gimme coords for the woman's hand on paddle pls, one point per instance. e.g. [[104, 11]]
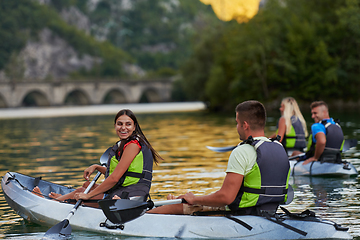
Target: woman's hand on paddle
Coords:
[[89, 171], [81, 196]]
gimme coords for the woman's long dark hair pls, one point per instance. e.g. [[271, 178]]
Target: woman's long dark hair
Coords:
[[137, 133]]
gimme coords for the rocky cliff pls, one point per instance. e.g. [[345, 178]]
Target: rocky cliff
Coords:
[[155, 35]]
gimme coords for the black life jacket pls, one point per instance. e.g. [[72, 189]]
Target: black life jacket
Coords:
[[334, 143], [273, 167]]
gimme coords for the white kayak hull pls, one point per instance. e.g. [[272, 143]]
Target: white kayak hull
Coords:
[[345, 169], [49, 212]]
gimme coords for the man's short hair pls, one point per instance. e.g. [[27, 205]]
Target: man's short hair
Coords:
[[253, 112], [318, 103]]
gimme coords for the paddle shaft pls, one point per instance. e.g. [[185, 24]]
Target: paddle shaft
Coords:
[[169, 202], [296, 156], [72, 212], [63, 228]]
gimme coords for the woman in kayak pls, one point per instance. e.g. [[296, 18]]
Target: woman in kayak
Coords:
[[291, 126], [129, 168]]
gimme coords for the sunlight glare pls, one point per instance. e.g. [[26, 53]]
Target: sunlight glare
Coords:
[[240, 10]]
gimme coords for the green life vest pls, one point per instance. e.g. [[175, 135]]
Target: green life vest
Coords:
[[134, 172], [268, 180], [295, 139], [139, 171]]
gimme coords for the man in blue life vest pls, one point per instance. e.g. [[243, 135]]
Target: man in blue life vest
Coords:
[[257, 174], [326, 139]]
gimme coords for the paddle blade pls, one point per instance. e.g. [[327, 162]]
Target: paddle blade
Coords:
[[221, 149], [62, 230], [120, 211], [105, 156]]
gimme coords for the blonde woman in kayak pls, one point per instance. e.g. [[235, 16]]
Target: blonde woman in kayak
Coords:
[[291, 126], [129, 167]]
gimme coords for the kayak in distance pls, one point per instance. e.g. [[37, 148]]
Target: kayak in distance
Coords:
[[323, 169], [129, 217], [319, 169]]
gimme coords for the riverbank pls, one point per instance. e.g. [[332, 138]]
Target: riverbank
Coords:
[[40, 112]]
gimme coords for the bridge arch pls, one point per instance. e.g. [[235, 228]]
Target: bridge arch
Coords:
[[35, 98], [76, 97], [3, 103], [84, 93], [150, 95], [114, 96]]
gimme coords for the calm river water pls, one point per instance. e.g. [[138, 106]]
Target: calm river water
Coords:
[[59, 149]]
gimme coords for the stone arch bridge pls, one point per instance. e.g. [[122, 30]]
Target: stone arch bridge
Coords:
[[83, 93]]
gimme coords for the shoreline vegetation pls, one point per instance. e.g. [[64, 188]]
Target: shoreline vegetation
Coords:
[[338, 105]]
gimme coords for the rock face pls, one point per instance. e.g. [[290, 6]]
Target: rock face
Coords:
[[52, 57], [76, 18]]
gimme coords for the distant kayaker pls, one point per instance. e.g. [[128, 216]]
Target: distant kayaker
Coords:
[[129, 167], [326, 138], [256, 176], [291, 126]]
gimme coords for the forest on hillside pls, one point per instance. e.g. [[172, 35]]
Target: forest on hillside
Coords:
[[305, 49], [156, 36]]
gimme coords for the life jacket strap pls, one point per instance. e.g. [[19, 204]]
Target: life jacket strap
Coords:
[[134, 174], [265, 190]]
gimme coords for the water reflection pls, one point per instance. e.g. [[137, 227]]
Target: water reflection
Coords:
[[335, 199], [59, 149]]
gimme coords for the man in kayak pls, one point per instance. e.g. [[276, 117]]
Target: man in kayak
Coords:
[[257, 173], [326, 138]]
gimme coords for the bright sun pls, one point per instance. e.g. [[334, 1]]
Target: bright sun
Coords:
[[240, 10]]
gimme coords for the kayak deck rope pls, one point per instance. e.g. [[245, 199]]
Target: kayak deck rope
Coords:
[[308, 215], [229, 215], [280, 220], [244, 224]]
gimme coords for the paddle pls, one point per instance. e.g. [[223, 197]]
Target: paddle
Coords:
[[349, 143], [221, 149], [296, 156], [63, 228], [120, 211]]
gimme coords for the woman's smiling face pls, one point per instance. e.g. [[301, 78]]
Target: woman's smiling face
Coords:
[[124, 126]]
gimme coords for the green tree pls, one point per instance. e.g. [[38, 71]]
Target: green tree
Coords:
[[303, 49]]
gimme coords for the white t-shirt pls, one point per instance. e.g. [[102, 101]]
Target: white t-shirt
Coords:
[[243, 158]]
